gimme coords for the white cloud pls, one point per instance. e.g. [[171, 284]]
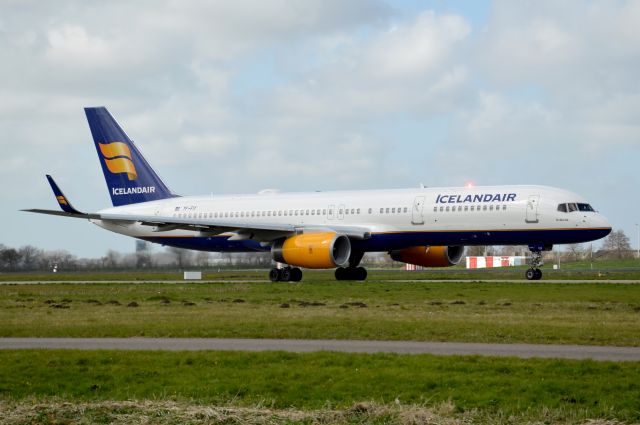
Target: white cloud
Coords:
[[345, 94], [415, 49]]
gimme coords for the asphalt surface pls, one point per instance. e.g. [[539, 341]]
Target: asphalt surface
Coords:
[[129, 282], [345, 346]]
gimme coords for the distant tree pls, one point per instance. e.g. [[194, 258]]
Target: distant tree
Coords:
[[617, 243], [182, 257], [575, 252], [111, 259], [30, 257], [10, 258], [202, 259], [475, 251], [63, 259]]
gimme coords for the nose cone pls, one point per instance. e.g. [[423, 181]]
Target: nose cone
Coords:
[[600, 225]]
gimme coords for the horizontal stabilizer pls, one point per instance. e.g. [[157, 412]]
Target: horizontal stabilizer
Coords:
[[64, 213]]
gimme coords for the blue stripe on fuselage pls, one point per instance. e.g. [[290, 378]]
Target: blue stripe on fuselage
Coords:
[[393, 241]]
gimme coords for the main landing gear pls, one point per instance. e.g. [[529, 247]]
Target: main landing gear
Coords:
[[286, 274], [351, 273], [534, 273]]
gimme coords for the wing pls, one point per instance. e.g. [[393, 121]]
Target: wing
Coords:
[[262, 232]]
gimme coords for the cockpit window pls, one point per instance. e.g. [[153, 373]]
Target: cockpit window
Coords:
[[575, 207]]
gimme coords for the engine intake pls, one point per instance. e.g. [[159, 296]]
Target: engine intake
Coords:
[[313, 250], [429, 256]]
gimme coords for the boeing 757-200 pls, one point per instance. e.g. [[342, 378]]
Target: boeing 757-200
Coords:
[[324, 230]]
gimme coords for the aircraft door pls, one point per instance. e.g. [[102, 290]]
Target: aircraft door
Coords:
[[532, 209], [416, 211]]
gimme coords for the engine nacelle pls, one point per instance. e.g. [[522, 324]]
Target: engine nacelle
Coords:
[[313, 250], [429, 256]]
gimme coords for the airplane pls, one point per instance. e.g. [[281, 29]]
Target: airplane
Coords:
[[324, 230]]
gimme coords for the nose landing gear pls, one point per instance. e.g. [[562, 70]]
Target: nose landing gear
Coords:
[[534, 273]]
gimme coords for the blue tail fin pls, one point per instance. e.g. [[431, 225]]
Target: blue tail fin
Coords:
[[62, 200], [129, 176]]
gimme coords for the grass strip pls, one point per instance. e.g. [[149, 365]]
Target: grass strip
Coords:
[[587, 314], [488, 387]]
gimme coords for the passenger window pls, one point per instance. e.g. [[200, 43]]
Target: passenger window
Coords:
[[441, 209], [324, 212], [307, 213], [358, 211], [405, 209], [386, 210], [435, 209], [504, 208], [490, 207], [472, 208], [393, 210], [466, 207], [381, 210], [370, 210], [447, 208], [484, 208], [460, 208], [313, 212]]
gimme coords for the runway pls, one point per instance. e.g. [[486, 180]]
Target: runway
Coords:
[[345, 346], [265, 281]]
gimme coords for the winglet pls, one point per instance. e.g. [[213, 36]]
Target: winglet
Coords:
[[62, 200]]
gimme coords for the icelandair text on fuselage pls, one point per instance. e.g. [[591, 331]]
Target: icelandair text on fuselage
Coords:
[[489, 197], [132, 190]]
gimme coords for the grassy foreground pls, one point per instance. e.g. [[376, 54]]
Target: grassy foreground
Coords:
[[588, 314], [491, 390]]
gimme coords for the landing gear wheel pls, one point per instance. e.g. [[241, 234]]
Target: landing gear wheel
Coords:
[[530, 274], [285, 274], [296, 275], [361, 273], [538, 274], [274, 275], [351, 273]]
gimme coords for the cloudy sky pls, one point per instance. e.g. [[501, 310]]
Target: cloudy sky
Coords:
[[238, 96]]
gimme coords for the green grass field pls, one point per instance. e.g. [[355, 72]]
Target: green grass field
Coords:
[[67, 386], [591, 314], [488, 389]]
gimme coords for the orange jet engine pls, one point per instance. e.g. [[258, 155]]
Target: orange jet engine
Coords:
[[429, 256], [313, 250]]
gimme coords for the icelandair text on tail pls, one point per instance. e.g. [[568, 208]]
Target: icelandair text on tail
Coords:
[[132, 190]]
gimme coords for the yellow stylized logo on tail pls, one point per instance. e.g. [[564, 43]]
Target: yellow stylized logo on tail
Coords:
[[117, 156], [62, 200]]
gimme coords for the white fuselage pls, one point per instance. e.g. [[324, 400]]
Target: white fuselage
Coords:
[[396, 219]]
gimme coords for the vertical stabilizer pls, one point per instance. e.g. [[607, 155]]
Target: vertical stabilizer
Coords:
[[129, 176]]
